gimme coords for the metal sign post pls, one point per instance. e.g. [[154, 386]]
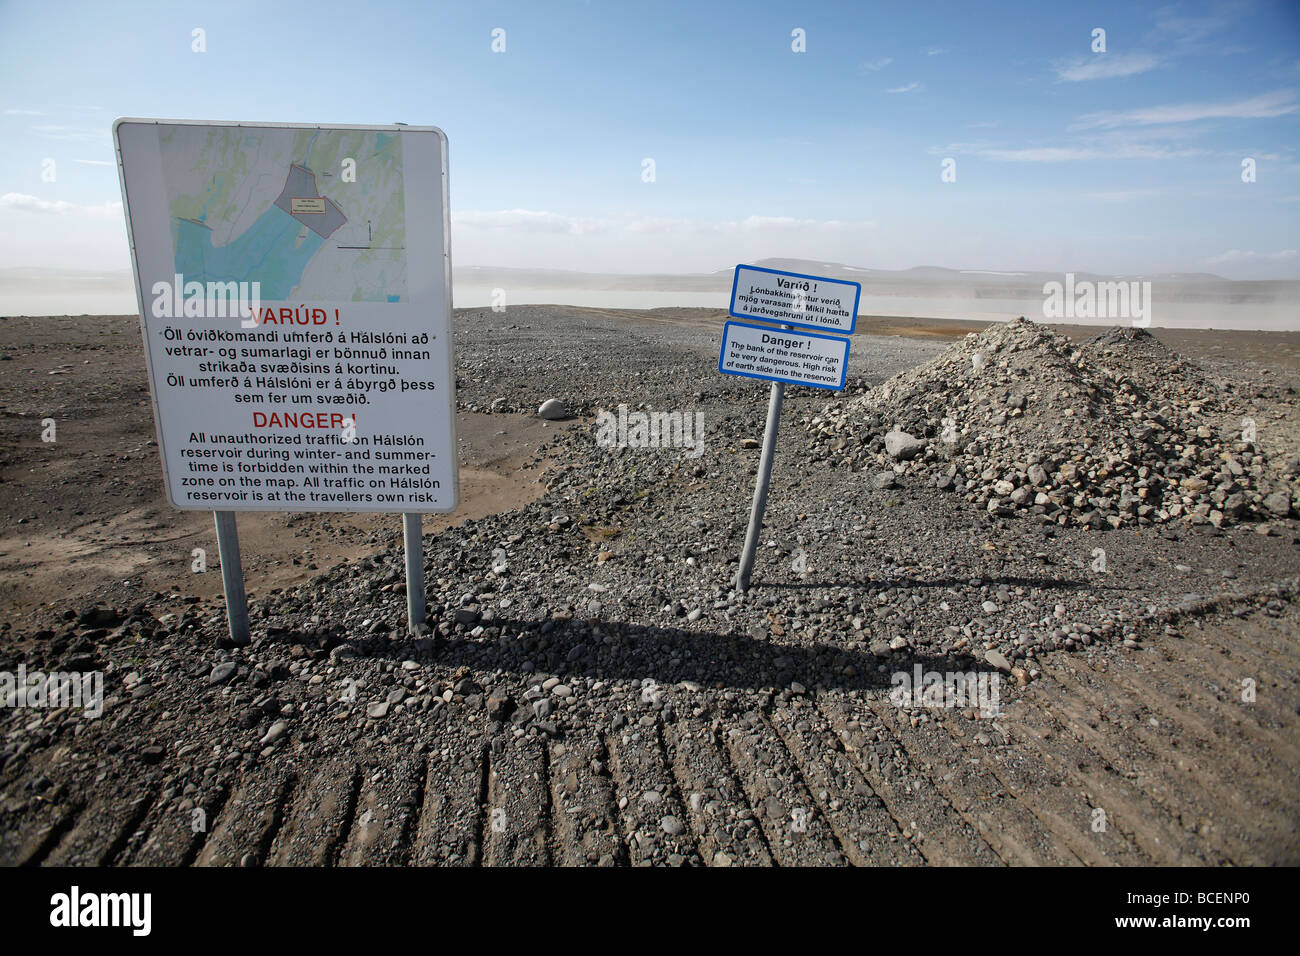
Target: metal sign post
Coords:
[[232, 578], [784, 356], [760, 489], [413, 540]]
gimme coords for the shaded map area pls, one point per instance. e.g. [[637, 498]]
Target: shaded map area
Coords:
[[268, 252], [300, 199], [309, 213]]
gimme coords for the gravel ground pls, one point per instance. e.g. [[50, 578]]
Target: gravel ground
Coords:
[[592, 690]]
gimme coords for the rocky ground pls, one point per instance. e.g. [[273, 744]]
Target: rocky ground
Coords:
[[592, 690]]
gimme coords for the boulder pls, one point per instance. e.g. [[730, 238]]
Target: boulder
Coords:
[[903, 446], [553, 409]]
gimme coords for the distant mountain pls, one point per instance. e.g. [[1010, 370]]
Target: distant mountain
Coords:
[[881, 278], [941, 273]]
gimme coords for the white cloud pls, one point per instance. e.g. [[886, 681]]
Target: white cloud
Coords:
[[1042, 154], [1188, 32], [1064, 154], [904, 89], [93, 162], [23, 113], [1125, 195], [1105, 66], [775, 222], [59, 207], [935, 51], [525, 220], [1249, 255], [79, 134], [1264, 106], [528, 220], [878, 64]]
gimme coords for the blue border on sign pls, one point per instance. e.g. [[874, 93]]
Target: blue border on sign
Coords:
[[844, 370], [735, 282]]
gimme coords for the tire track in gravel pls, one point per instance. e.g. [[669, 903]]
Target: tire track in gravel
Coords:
[[1061, 735], [1191, 712], [725, 825], [866, 832], [35, 839], [518, 819], [169, 836], [933, 826], [585, 812], [1202, 653], [1014, 833], [1169, 773], [450, 828], [103, 830], [1262, 723], [320, 816], [650, 805], [248, 824], [1128, 733], [386, 812], [796, 832], [1057, 805]]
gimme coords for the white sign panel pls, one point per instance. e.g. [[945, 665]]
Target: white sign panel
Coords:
[[295, 295], [776, 355], [791, 298]]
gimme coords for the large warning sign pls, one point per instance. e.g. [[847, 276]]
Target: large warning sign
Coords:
[[295, 295]]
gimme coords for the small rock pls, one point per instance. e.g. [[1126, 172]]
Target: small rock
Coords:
[[1278, 503], [222, 672], [998, 660], [499, 704], [275, 733]]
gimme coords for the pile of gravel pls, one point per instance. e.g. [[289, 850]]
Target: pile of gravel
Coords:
[[1018, 419]]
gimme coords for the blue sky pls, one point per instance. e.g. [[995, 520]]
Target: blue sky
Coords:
[[1126, 161]]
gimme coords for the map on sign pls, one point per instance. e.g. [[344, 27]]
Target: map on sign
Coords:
[[312, 214]]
